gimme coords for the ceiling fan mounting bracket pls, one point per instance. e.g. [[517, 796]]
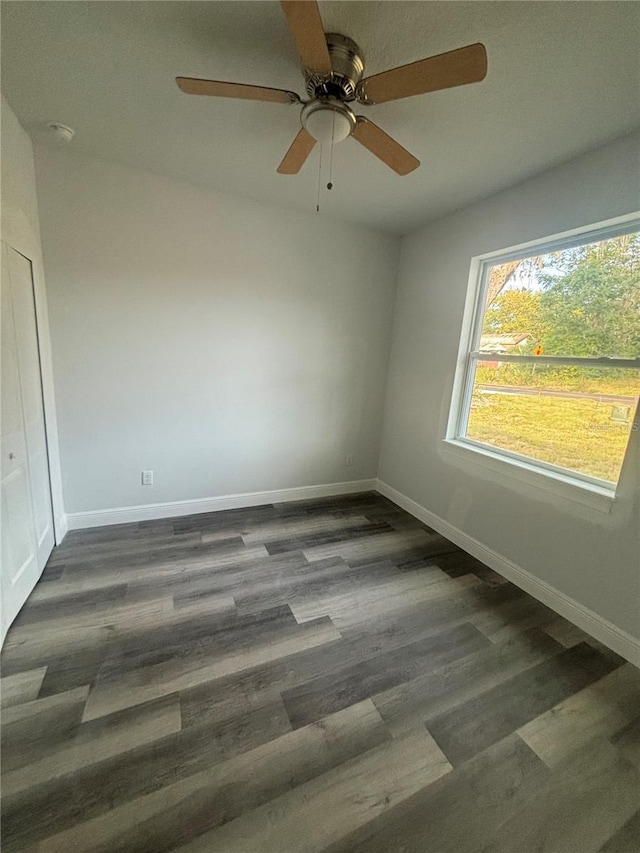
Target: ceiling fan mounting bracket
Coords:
[[347, 64], [361, 94]]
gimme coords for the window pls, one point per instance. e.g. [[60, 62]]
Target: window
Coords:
[[549, 369]]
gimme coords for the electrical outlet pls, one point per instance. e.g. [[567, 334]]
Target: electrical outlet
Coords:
[[348, 460], [147, 478]]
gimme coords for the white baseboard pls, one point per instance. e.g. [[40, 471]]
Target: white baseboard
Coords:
[[148, 512], [601, 629]]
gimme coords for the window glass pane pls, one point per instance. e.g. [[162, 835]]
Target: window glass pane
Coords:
[[583, 301], [575, 418]]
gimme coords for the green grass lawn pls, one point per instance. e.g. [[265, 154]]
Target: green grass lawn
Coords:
[[572, 433]]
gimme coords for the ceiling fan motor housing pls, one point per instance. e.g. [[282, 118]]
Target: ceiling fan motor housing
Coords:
[[347, 65]]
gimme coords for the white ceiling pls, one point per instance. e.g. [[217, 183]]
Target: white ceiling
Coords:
[[563, 77]]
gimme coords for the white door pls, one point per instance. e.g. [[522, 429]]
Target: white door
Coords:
[[27, 518]]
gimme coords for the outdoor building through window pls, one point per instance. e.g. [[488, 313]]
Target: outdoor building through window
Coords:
[[550, 374]]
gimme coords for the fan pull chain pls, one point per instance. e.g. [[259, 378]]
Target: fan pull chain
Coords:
[[319, 180], [333, 130]]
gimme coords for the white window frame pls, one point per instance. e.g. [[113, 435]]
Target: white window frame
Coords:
[[513, 464]]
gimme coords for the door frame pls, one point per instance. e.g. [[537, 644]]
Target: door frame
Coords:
[[24, 236]]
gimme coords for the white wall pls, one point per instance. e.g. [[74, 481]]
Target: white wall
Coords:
[[591, 556], [21, 230], [227, 345]]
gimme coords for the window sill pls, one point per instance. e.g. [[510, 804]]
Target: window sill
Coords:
[[564, 486]]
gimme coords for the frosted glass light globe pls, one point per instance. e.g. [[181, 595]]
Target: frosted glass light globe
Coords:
[[327, 125]]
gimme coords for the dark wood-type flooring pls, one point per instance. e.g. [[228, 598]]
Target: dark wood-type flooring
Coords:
[[321, 676]]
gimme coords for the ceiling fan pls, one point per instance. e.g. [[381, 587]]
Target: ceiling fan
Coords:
[[333, 67]]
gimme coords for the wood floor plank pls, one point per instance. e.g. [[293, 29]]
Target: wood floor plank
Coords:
[[107, 614], [226, 577], [446, 687], [74, 554], [627, 740], [312, 540], [43, 705], [314, 815], [157, 680], [225, 519], [21, 687], [77, 669], [169, 569], [565, 633], [384, 594], [217, 795], [22, 649], [598, 711], [61, 647], [292, 528], [460, 812], [339, 505], [94, 743], [372, 546], [625, 840], [183, 550], [245, 689], [96, 788], [44, 610], [513, 617], [499, 711], [314, 699], [205, 633], [583, 805], [46, 727], [393, 608], [308, 582]]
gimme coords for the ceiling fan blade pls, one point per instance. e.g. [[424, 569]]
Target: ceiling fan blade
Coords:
[[298, 152], [383, 146], [194, 86], [455, 68], [305, 23]]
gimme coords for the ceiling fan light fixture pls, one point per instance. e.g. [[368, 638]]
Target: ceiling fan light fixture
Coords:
[[328, 122], [333, 67]]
